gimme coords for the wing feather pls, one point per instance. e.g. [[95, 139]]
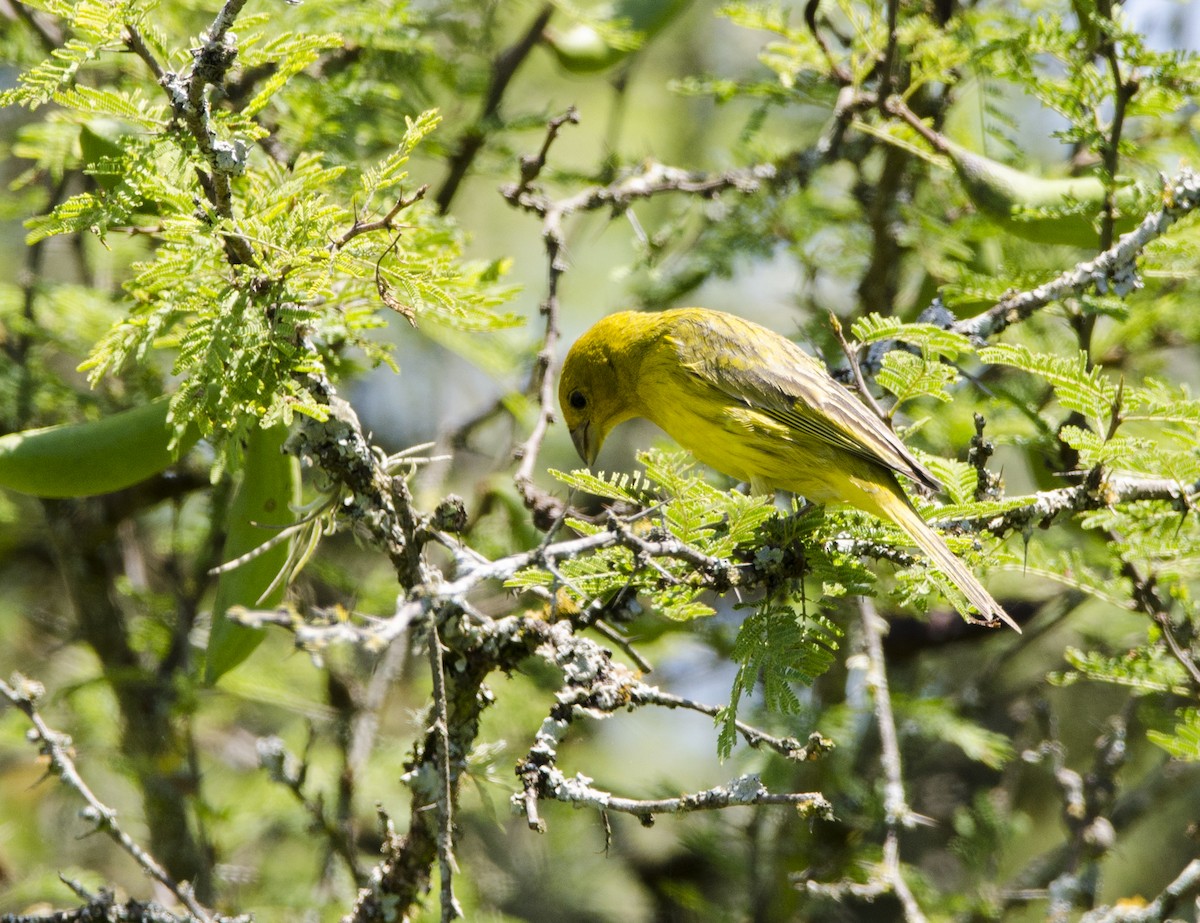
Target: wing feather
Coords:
[[773, 375]]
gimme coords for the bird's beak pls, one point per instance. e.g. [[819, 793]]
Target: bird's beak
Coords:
[[582, 437]]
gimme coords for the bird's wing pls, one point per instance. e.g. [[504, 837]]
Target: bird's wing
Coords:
[[773, 375]]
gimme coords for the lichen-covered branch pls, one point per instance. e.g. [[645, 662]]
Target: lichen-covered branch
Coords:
[[595, 686], [742, 791], [188, 95], [1114, 270], [1185, 885], [23, 694]]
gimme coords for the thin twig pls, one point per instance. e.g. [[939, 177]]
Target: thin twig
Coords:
[[541, 382], [532, 166], [1185, 885], [895, 805], [136, 43], [56, 748], [384, 223], [441, 731], [1177, 651], [744, 790], [897, 812], [504, 68], [851, 354], [609, 633], [789, 747], [895, 878]]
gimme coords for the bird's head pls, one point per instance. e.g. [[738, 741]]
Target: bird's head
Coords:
[[597, 389]]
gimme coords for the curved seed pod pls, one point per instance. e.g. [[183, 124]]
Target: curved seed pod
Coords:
[[98, 457], [261, 506], [1052, 211], [582, 49]]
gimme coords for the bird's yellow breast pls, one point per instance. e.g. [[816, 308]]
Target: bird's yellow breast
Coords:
[[738, 440]]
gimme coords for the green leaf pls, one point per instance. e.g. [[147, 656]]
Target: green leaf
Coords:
[[1184, 742], [1078, 388], [778, 645]]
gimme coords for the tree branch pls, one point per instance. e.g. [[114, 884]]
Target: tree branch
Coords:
[[23, 694], [1113, 270], [504, 69]]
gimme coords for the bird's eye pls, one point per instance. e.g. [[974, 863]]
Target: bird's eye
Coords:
[[577, 400]]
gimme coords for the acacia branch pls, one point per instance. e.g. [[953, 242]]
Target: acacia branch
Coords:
[[56, 747], [1114, 270], [787, 747], [1185, 885], [189, 101], [1042, 507], [596, 686], [504, 68], [382, 224], [445, 796], [742, 791]]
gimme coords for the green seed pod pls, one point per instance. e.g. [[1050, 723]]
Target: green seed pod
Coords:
[[262, 505], [1051, 211], [583, 49], [85, 459]]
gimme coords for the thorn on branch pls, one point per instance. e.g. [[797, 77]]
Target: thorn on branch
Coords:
[[384, 223], [532, 165]]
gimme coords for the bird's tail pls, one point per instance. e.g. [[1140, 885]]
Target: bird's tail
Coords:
[[896, 507]]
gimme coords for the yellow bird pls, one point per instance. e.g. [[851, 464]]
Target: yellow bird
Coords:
[[752, 404]]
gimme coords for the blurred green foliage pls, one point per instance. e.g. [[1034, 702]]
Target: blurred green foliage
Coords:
[[329, 265]]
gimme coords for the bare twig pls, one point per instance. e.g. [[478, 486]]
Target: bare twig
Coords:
[[384, 223], [789, 747], [532, 165], [546, 510], [136, 43], [744, 790], [503, 69], [56, 747], [1147, 598], [1177, 651], [610, 634], [1185, 885], [445, 799], [895, 805], [851, 354], [897, 813]]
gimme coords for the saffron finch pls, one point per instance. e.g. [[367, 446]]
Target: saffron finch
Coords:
[[750, 403]]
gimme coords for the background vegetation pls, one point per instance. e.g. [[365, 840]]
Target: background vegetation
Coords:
[[301, 619]]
